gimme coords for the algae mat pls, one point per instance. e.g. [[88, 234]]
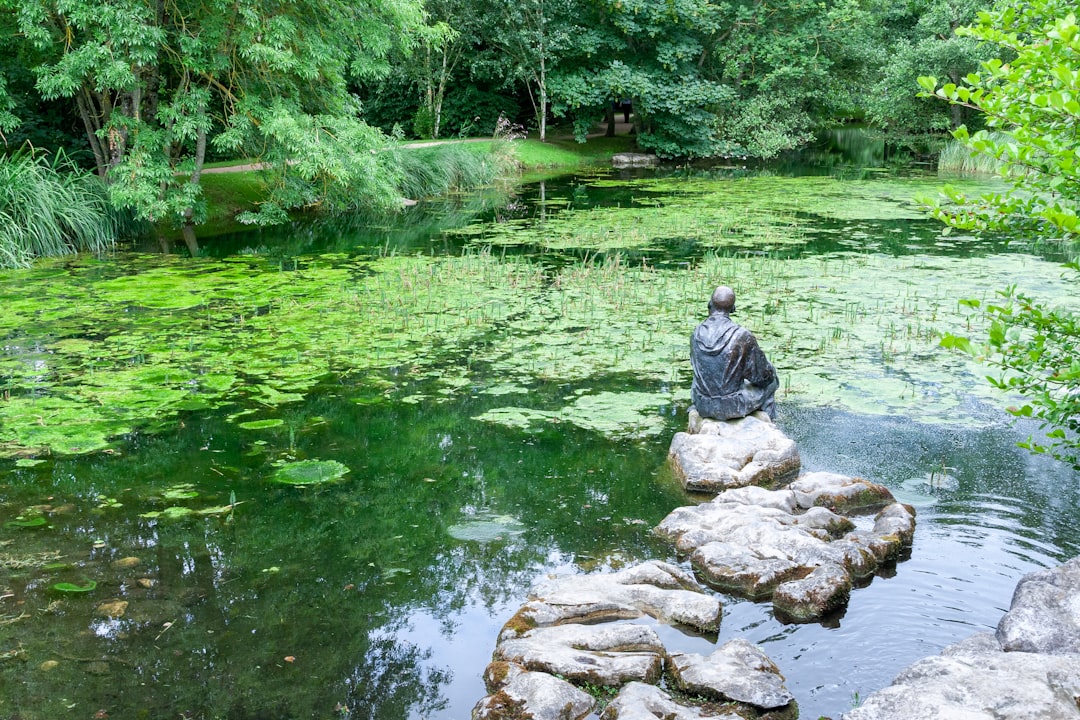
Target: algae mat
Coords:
[[94, 350]]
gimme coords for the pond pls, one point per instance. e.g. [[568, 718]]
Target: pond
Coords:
[[312, 475]]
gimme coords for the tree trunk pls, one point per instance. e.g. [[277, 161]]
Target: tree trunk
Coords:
[[92, 125], [610, 117], [188, 229]]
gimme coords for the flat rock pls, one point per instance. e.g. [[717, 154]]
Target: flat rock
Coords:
[[638, 701], [738, 671], [973, 684], [717, 455], [754, 541], [609, 654], [826, 589], [839, 493], [654, 588], [628, 160], [1044, 616], [522, 695]]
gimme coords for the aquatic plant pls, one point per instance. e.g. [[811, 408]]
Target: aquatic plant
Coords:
[[51, 207], [451, 166], [72, 588], [956, 158], [309, 472]]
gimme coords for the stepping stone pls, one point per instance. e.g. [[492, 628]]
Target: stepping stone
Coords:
[[717, 455]]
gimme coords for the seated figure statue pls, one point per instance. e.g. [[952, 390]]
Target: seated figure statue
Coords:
[[732, 376]]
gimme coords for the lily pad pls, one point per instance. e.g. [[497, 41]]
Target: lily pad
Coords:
[[310, 472], [66, 587], [262, 424], [185, 491], [33, 522], [169, 513], [488, 528], [28, 462]]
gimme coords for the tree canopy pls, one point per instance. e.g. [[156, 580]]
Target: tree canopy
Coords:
[[158, 83]]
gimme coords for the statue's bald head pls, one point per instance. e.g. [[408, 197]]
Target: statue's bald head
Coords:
[[723, 300]]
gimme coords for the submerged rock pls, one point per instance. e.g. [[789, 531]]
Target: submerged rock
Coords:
[[787, 544], [716, 455], [1028, 670]]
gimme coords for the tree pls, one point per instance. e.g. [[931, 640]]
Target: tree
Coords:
[[920, 38], [157, 84], [1034, 96], [709, 79]]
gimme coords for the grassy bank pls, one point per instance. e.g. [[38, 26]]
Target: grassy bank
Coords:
[[428, 169]]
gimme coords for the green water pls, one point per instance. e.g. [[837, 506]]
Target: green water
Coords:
[[500, 377]]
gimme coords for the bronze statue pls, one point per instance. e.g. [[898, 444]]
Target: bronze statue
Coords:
[[732, 376]]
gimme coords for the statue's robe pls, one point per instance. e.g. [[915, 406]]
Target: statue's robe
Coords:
[[732, 376]]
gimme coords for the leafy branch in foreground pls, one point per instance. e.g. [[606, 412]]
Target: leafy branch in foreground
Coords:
[[1034, 97], [1034, 350]]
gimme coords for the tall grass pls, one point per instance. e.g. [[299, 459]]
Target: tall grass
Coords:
[[439, 169], [957, 159], [51, 207]]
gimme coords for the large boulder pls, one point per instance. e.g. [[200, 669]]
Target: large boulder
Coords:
[[1028, 670], [972, 682], [788, 545], [654, 588], [738, 671], [638, 701], [634, 160], [518, 694], [1045, 613], [716, 455]]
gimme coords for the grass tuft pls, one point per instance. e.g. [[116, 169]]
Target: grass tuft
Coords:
[[50, 208], [958, 159]]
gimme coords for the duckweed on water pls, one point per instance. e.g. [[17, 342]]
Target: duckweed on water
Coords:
[[95, 350], [747, 212]]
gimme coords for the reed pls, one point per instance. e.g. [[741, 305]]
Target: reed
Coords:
[[447, 167], [51, 207], [958, 159]]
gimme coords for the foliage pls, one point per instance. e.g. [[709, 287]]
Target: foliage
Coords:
[[1034, 98], [157, 84], [434, 170], [913, 39], [49, 207], [1035, 349], [709, 79]]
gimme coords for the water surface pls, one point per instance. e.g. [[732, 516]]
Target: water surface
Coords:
[[503, 413]]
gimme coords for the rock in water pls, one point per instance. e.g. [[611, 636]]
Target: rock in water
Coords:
[[1045, 613], [1028, 670], [788, 545], [716, 455], [738, 671], [536, 695], [638, 701]]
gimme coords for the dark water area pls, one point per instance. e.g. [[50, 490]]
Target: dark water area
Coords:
[[380, 596]]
